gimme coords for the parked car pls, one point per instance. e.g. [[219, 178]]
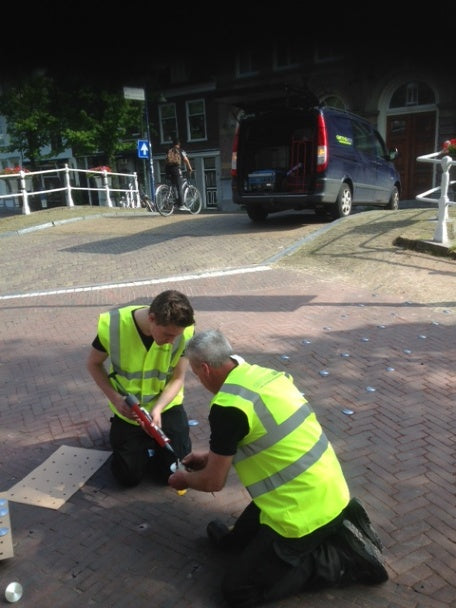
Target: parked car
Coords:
[[322, 158]]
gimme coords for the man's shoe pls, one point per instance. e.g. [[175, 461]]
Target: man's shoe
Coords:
[[180, 207], [356, 513], [363, 561]]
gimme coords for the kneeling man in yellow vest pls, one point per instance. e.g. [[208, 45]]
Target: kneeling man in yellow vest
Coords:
[[301, 530], [146, 347]]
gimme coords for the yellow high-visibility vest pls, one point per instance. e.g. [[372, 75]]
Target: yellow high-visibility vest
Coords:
[[139, 371], [285, 462]]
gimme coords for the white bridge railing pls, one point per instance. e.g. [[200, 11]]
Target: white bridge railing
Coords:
[[445, 225], [19, 184]]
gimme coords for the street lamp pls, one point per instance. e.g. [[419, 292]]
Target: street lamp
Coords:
[[140, 95]]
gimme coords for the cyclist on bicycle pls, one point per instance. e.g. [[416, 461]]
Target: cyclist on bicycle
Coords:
[[174, 159]]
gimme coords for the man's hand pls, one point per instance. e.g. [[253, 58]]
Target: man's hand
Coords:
[[195, 461], [177, 480], [156, 416], [123, 408]]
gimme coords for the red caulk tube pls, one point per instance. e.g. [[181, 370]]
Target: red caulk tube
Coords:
[[154, 431], [149, 425]]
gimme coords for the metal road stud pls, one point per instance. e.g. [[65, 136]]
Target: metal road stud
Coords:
[[13, 592]]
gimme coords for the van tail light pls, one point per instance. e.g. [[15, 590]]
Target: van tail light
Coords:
[[322, 145], [234, 153]]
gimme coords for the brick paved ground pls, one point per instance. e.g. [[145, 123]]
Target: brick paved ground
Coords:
[[146, 546]]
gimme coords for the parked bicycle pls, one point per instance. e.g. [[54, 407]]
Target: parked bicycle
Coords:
[[146, 202], [166, 198], [130, 201]]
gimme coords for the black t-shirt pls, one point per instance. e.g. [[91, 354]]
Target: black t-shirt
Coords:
[[228, 426]]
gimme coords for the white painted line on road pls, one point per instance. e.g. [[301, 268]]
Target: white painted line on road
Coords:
[[186, 277]]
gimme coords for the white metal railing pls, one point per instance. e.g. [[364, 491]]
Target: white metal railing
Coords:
[[443, 220], [19, 182]]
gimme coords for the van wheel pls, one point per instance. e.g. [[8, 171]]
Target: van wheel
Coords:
[[394, 200], [343, 205], [257, 214]]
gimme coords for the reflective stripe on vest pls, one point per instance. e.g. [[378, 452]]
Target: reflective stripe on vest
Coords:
[[274, 434]]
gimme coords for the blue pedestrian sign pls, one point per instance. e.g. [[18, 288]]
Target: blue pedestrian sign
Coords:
[[143, 148]]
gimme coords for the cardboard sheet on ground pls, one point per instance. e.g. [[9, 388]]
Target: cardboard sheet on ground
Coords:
[[58, 478], [6, 534]]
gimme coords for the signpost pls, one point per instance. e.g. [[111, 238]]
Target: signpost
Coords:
[[144, 146]]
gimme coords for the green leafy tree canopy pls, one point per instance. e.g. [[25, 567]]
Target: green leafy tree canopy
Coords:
[[44, 119]]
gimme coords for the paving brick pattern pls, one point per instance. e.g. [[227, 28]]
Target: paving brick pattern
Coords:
[[389, 360]]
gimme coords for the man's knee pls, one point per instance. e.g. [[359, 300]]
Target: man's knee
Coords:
[[127, 476], [240, 595]]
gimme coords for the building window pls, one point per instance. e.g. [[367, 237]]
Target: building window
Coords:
[[210, 181], [412, 94], [178, 73], [196, 120], [326, 53], [334, 101], [168, 122], [286, 55], [247, 63]]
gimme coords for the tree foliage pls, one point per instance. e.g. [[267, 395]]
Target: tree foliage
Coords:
[[45, 118], [100, 121], [31, 125]]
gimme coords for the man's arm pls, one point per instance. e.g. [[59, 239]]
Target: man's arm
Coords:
[[211, 478], [96, 368], [171, 389], [187, 162]]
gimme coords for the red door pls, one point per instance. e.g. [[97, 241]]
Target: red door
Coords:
[[413, 135]]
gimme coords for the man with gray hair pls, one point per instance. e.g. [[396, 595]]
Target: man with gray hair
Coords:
[[301, 530]]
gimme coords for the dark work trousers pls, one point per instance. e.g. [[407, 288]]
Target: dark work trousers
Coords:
[[175, 175], [136, 454], [269, 567]]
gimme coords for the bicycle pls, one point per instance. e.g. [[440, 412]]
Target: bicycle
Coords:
[[166, 198], [146, 202]]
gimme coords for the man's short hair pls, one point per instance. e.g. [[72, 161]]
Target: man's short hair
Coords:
[[172, 307]]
